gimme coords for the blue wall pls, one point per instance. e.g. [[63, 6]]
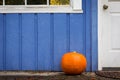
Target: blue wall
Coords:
[[37, 41]]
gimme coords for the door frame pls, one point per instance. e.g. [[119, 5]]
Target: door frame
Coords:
[[100, 31], [100, 5], [99, 34]]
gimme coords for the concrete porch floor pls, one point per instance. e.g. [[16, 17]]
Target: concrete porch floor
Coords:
[[31, 75]]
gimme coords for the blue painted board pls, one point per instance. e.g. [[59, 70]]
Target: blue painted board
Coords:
[[88, 34], [76, 33], [12, 42], [20, 41], [94, 34], [36, 40], [28, 42], [1, 41], [60, 39], [44, 42]]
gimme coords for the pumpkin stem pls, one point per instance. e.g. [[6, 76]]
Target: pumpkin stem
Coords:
[[74, 52]]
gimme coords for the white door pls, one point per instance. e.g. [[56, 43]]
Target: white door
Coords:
[[108, 34]]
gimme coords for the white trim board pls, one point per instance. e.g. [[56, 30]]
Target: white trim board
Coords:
[[74, 7], [39, 9], [100, 6]]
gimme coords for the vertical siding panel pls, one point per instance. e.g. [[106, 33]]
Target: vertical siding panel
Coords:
[[44, 52], [76, 33], [60, 44], [28, 43], [84, 26], [20, 41], [68, 31], [12, 42], [52, 40], [94, 35], [88, 34], [36, 40], [4, 41], [1, 41]]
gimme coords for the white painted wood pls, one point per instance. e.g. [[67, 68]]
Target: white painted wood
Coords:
[[38, 9], [48, 2], [25, 2], [77, 4], [3, 2], [74, 7], [115, 31], [108, 34], [113, 0], [114, 6]]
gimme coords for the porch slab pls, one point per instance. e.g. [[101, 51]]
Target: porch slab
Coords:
[[31, 75]]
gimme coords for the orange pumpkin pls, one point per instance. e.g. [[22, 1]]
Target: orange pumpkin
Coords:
[[73, 63]]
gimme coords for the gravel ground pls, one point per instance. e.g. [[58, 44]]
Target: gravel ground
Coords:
[[83, 76]]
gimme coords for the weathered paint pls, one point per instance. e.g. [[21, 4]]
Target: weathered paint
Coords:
[[37, 41]]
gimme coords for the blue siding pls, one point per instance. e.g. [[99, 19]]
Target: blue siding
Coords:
[[88, 35], [37, 41], [1, 42], [44, 42], [77, 33], [94, 34], [12, 42], [28, 41], [60, 39]]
